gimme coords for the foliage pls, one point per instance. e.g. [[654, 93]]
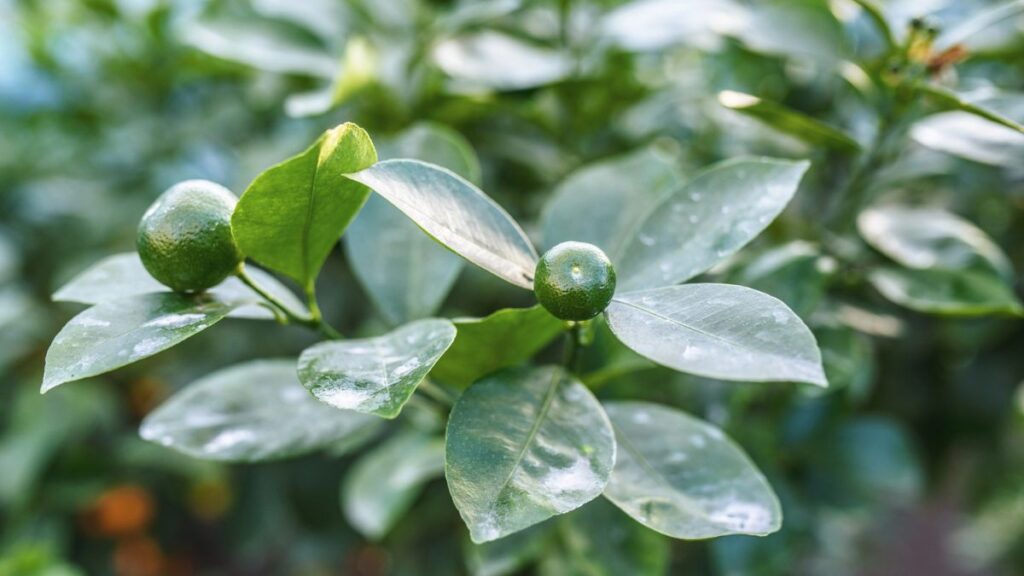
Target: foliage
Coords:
[[812, 210]]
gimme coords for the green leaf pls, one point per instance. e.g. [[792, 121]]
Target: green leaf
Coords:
[[974, 137], [116, 333], [718, 331], [849, 359], [950, 100], [261, 47], [788, 121], [405, 273], [931, 238], [684, 478], [375, 375], [291, 215], [708, 219], [384, 483], [602, 203], [650, 25], [122, 275], [978, 22], [948, 292], [510, 554], [602, 541], [249, 412], [485, 345], [522, 446], [794, 272], [457, 214], [494, 60]]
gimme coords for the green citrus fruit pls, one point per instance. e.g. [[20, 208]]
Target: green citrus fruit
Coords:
[[574, 281], [185, 239]]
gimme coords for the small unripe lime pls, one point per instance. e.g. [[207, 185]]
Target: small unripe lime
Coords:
[[574, 281], [185, 239]]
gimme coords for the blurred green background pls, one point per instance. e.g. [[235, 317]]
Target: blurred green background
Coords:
[[914, 465]]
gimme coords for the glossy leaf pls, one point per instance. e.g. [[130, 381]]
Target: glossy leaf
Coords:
[[941, 291], [249, 412], [375, 375], [719, 331], [291, 215], [114, 334], [494, 60], [122, 275], [684, 478], [647, 25], [602, 203], [485, 345], [524, 445], [931, 238], [383, 484], [803, 127], [405, 272], [708, 219], [457, 214]]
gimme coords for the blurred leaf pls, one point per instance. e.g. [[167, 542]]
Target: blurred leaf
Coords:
[[457, 214], [602, 541], [405, 272], [292, 215], [122, 275], [648, 25], [794, 272], [950, 100], [509, 473], [684, 478], [602, 203], [950, 292], [801, 29], [973, 137], [510, 554], [249, 412], [383, 484], [718, 331], [708, 219], [116, 333], [982, 19], [848, 358], [485, 345], [494, 60], [326, 18], [788, 121], [931, 238], [870, 461], [375, 375], [260, 47]]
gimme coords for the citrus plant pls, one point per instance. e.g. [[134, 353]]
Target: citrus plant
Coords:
[[523, 441]]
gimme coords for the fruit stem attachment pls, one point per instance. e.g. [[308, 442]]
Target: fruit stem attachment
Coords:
[[283, 313], [573, 343]]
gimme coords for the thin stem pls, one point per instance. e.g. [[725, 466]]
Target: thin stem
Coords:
[[572, 348], [282, 312], [316, 315], [437, 393]]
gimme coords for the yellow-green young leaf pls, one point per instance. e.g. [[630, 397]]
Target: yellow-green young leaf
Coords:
[[292, 215], [947, 292], [684, 478], [384, 483], [249, 412], [122, 275], [457, 214], [486, 345], [789, 121], [375, 375], [116, 333], [718, 331], [522, 446]]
